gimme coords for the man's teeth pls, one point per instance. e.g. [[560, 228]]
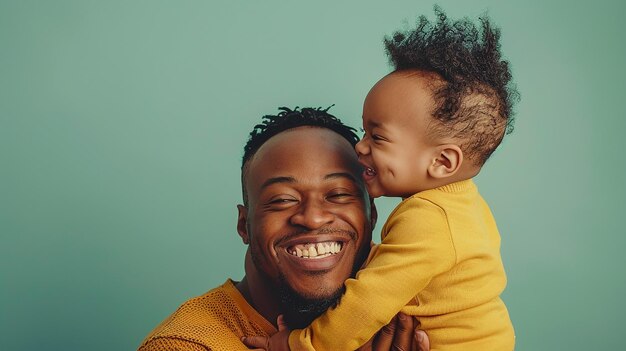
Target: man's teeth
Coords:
[[370, 171], [319, 250]]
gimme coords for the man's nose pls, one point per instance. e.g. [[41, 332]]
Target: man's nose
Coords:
[[312, 214], [361, 147]]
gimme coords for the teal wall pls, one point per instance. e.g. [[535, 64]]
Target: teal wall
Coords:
[[122, 125]]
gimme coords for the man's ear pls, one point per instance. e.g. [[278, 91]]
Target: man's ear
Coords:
[[447, 161], [373, 213], [242, 223]]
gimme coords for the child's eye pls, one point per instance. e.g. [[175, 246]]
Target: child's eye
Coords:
[[377, 137]]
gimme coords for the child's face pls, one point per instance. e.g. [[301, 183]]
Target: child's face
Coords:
[[396, 150]]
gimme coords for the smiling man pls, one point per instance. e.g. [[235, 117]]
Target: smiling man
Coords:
[[307, 220]]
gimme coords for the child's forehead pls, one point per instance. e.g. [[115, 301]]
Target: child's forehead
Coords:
[[402, 87], [400, 97], [425, 79]]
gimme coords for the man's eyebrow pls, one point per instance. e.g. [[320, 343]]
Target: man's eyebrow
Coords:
[[340, 175], [277, 180]]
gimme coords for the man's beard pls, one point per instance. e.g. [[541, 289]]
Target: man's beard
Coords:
[[299, 311]]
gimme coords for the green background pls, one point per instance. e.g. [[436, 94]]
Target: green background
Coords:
[[121, 131]]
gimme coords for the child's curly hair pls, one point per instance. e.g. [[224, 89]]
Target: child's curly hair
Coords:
[[474, 101]]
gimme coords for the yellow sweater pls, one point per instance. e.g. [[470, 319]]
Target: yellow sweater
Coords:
[[439, 260], [215, 321]]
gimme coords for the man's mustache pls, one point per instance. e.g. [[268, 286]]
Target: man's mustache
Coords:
[[329, 230]]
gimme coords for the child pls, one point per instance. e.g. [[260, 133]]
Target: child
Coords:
[[429, 127]]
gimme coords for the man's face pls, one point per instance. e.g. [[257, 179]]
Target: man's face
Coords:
[[308, 215]]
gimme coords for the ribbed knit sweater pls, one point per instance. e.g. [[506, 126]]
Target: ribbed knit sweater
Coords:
[[215, 321]]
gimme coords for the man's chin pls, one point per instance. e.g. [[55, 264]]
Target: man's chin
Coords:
[[300, 308]]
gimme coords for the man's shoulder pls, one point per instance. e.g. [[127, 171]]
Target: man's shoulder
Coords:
[[219, 316]]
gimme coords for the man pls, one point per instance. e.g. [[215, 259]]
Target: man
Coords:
[[307, 220]]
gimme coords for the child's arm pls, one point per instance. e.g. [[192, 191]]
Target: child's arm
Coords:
[[416, 248], [401, 333]]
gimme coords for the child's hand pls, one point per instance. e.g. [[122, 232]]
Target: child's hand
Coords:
[[402, 333], [277, 342]]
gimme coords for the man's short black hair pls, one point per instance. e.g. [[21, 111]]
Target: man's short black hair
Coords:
[[289, 119], [474, 100]]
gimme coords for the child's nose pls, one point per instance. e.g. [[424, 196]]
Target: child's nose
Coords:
[[361, 147]]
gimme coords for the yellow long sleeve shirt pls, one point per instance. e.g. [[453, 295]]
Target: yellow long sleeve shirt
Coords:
[[439, 260]]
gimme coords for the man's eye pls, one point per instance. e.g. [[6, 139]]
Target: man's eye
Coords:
[[282, 201], [377, 137], [341, 197], [280, 204]]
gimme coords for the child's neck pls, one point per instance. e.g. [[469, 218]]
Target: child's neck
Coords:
[[464, 173]]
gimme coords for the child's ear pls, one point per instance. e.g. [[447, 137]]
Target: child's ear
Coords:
[[447, 161]]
